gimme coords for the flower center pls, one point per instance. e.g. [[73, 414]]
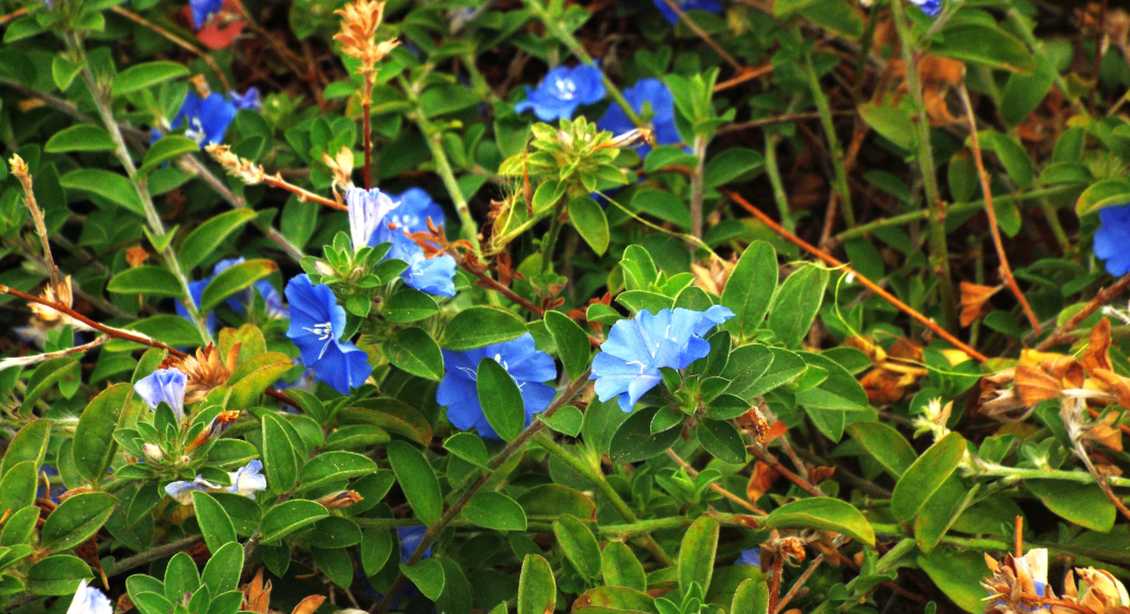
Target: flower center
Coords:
[[195, 131], [566, 88], [323, 331]]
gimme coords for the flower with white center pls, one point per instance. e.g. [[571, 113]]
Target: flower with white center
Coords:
[[89, 600]]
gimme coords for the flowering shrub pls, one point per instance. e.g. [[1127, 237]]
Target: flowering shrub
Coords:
[[670, 307]]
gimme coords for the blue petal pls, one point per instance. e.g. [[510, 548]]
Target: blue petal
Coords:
[[343, 366]]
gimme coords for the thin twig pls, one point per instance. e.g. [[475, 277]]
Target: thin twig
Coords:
[[710, 42], [1104, 296], [176, 40], [20, 170], [160, 552], [748, 73], [23, 361], [799, 583], [789, 474], [16, 14], [774, 120], [367, 129], [991, 213], [775, 581], [304, 195], [870, 285], [718, 488]]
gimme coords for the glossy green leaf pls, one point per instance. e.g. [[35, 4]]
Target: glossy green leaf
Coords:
[[215, 524], [475, 327], [80, 137], [413, 350], [823, 513], [537, 589], [926, 475], [233, 279], [289, 516], [696, 553], [500, 399], [579, 545], [146, 279], [417, 480], [494, 510], [146, 74], [76, 520], [750, 288], [572, 342], [208, 236]]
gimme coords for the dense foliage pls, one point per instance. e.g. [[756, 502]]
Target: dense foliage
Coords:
[[537, 305]]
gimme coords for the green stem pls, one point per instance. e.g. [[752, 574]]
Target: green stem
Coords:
[[1057, 229], [834, 147], [939, 250], [563, 36], [550, 240], [956, 209], [597, 477], [697, 184], [774, 172], [1042, 59], [1019, 473], [98, 94]]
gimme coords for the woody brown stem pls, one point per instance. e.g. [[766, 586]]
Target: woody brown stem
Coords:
[[991, 213], [866, 282], [367, 130], [303, 194], [718, 488], [1104, 296]]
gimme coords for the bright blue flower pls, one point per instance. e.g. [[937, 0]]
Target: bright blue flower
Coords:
[[751, 557], [563, 90], [202, 10], [410, 538], [930, 7], [529, 367], [238, 303], [163, 386], [371, 223], [416, 206], [630, 359], [249, 100], [652, 101], [1112, 239], [205, 120], [713, 6], [316, 325]]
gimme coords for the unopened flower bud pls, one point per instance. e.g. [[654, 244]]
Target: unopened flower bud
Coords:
[[153, 452], [341, 499]]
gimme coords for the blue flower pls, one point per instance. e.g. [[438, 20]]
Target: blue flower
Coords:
[[652, 101], [713, 6], [370, 223], [416, 206], [202, 10], [629, 361], [245, 481], [89, 600], [751, 557], [563, 90], [196, 290], [410, 538], [930, 7], [1112, 239], [316, 325], [271, 297], [163, 386], [249, 100], [529, 367], [205, 120]]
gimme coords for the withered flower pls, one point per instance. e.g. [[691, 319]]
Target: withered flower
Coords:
[[204, 370], [975, 301], [359, 22], [136, 256], [243, 169], [1018, 583], [341, 165], [341, 499]]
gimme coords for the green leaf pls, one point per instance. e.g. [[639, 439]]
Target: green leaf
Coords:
[[750, 288], [76, 520], [170, 146], [413, 350], [785, 8], [731, 165], [289, 516], [469, 447], [94, 435], [18, 485], [146, 74], [417, 480], [751, 596], [537, 590], [721, 440], [63, 71], [892, 123], [111, 186], [1103, 193], [221, 572], [579, 545], [958, 575], [233, 279], [494, 510], [500, 399], [885, 444], [80, 137], [638, 268], [280, 457], [696, 554], [797, 303], [407, 305], [620, 567], [181, 577], [376, 547], [427, 575], [633, 441], [57, 575], [215, 524], [823, 513], [1082, 504], [571, 340], [205, 238], [589, 220], [983, 44], [475, 327], [663, 205], [335, 466], [146, 279], [1012, 156], [567, 420], [926, 475], [29, 444]]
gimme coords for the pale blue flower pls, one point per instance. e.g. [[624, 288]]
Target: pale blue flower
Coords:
[[367, 210], [563, 90], [751, 557], [89, 600], [163, 386], [711, 6], [930, 7], [317, 323], [202, 10], [629, 363], [249, 100], [245, 481], [238, 303], [653, 102], [1112, 239], [416, 207], [529, 367]]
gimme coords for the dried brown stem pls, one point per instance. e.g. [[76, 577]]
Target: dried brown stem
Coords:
[[766, 457], [20, 170], [746, 74], [799, 583], [718, 488], [367, 130], [304, 195], [991, 213], [870, 285], [1104, 296], [710, 42]]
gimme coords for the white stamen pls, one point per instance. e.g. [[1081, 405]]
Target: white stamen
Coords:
[[324, 331]]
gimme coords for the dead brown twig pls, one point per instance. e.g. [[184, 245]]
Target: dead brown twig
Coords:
[[1104, 296], [734, 498], [865, 281], [991, 213]]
